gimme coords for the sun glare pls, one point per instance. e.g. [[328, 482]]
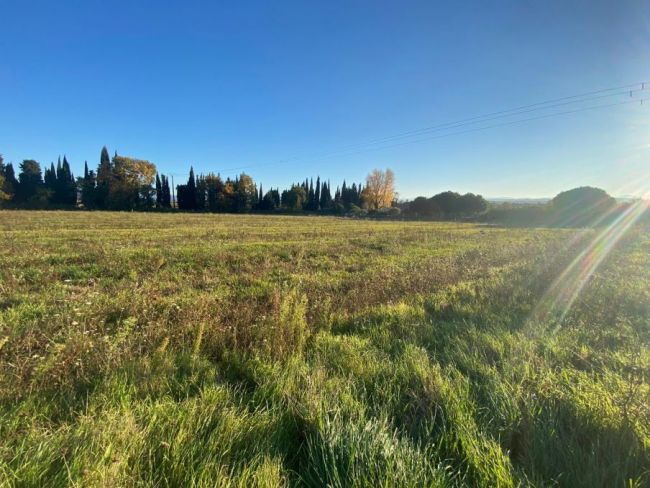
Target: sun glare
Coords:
[[565, 289]]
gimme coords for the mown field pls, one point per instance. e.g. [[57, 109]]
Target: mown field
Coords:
[[223, 350]]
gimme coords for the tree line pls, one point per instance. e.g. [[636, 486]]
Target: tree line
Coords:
[[446, 205], [214, 194], [119, 183], [579, 207], [125, 183]]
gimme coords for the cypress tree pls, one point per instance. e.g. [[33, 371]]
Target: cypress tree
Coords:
[[346, 195], [104, 177], [325, 196], [88, 188], [49, 178], [354, 196], [201, 190], [323, 192], [68, 185], [163, 196], [104, 158], [57, 191], [159, 195], [191, 190], [168, 193], [311, 196]]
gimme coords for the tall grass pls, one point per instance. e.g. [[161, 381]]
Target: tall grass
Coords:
[[279, 351]]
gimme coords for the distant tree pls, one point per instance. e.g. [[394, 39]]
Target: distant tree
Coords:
[[245, 193], [449, 203], [66, 184], [518, 214], [260, 198], [311, 196], [325, 196], [226, 199], [317, 192], [380, 189], [471, 204], [163, 196], [582, 206], [166, 193], [183, 198], [130, 187], [191, 190], [31, 190], [56, 194], [104, 179], [271, 200], [294, 198], [424, 207], [201, 193], [159, 192], [186, 194], [215, 189], [49, 179], [10, 185], [88, 188]]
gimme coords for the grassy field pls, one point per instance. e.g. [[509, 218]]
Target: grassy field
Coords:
[[223, 350]]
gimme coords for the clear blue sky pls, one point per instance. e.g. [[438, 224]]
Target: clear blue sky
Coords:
[[222, 85]]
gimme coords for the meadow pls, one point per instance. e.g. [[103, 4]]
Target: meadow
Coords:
[[162, 349]]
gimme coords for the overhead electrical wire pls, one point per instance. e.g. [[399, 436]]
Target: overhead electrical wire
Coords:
[[512, 122], [474, 121], [380, 143], [629, 90]]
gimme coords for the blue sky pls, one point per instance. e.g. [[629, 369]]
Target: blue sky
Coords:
[[272, 87]]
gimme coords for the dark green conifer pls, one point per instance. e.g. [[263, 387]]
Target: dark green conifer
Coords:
[[104, 177]]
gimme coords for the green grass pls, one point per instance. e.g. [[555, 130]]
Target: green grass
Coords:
[[222, 350]]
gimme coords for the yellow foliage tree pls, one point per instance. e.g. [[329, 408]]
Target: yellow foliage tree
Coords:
[[131, 185], [380, 189]]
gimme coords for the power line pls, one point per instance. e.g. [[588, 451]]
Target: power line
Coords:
[[513, 122], [544, 105], [590, 96], [478, 120], [439, 136]]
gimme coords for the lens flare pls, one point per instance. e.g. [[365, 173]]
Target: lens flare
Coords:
[[565, 289]]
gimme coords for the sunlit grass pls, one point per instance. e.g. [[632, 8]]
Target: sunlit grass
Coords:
[[566, 288], [209, 350]]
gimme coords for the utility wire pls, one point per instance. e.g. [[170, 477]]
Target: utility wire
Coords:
[[554, 102], [513, 122], [629, 90], [478, 120], [439, 136]]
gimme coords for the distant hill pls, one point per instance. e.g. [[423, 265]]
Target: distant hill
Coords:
[[536, 201]]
